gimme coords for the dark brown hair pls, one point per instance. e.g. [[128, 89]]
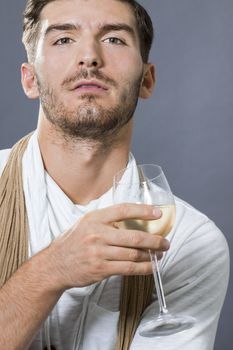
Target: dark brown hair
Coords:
[[31, 26]]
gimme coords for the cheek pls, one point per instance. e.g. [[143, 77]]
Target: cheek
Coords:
[[49, 76], [51, 66], [125, 68]]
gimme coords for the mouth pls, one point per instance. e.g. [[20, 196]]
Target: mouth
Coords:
[[90, 86]]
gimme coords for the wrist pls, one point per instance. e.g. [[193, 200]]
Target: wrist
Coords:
[[42, 271]]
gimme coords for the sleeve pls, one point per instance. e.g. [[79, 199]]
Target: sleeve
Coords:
[[195, 273]]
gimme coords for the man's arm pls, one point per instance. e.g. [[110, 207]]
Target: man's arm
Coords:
[[92, 250], [25, 302]]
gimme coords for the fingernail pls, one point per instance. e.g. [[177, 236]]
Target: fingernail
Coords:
[[166, 244], [157, 212]]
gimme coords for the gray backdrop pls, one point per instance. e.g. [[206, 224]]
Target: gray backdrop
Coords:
[[186, 126]]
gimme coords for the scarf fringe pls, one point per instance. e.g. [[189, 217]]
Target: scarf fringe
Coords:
[[13, 216]]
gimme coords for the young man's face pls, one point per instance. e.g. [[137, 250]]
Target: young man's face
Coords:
[[88, 65]]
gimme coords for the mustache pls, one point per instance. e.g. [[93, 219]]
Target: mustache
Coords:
[[88, 74]]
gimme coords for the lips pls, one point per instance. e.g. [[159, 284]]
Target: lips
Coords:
[[90, 85]]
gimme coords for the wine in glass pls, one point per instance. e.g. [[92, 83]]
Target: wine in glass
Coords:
[[147, 184]]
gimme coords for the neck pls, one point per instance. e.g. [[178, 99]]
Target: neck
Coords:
[[83, 170]]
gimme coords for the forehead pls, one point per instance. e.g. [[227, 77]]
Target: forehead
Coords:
[[88, 12]]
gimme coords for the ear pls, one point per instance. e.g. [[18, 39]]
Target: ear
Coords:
[[28, 80], [148, 81]]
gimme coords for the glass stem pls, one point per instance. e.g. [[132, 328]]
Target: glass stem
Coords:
[[158, 283]]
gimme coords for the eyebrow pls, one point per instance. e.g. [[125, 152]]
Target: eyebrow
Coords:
[[104, 28], [61, 27]]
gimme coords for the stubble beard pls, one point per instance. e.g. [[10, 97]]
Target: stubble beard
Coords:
[[90, 121]]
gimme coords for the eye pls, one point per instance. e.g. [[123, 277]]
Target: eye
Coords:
[[63, 41], [115, 41]]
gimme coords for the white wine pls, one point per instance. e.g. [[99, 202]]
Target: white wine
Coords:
[[160, 226]]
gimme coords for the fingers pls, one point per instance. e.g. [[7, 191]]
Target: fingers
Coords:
[[111, 235], [129, 254], [94, 249], [136, 239], [159, 255], [126, 254], [126, 268], [125, 211]]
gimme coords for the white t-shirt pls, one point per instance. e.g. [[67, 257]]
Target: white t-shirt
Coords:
[[194, 271]]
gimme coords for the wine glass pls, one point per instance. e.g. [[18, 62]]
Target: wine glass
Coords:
[[147, 184]]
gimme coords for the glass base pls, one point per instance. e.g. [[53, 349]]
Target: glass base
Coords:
[[166, 324]]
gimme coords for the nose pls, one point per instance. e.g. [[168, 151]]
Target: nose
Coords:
[[90, 55], [89, 62]]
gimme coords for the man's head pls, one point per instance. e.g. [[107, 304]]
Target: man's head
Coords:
[[86, 65], [31, 26]]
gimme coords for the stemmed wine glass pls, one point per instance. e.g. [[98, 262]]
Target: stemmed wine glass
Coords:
[[147, 184]]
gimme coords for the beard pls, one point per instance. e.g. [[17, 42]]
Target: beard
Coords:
[[90, 121]]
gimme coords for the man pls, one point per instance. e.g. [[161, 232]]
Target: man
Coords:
[[88, 65]]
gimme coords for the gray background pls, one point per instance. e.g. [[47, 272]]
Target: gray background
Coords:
[[187, 125]]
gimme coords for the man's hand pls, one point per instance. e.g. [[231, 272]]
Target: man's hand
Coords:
[[95, 248]]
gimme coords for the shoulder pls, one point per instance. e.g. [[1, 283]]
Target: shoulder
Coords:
[[4, 154], [193, 226]]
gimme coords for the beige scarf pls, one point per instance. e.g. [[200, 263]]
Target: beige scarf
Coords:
[[136, 291]]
